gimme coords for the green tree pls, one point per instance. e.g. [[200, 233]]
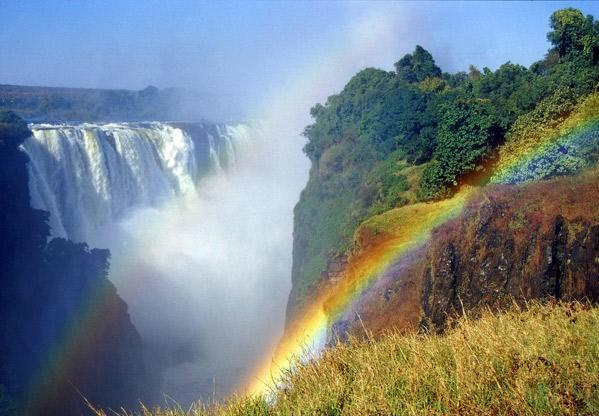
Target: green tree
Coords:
[[573, 32], [417, 66], [510, 89], [13, 130], [467, 132]]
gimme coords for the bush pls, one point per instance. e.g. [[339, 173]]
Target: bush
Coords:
[[467, 132], [559, 137], [13, 130]]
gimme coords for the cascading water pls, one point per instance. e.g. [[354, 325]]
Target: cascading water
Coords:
[[198, 219], [89, 175]]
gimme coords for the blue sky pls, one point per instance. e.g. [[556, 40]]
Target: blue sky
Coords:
[[253, 48]]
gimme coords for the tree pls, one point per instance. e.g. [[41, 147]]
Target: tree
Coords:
[[510, 89], [473, 73], [467, 132], [13, 130], [417, 66], [574, 33]]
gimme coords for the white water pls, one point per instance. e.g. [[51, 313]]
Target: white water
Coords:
[[89, 175], [199, 226]]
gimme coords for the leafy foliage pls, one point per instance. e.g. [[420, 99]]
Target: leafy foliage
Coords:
[[467, 133], [13, 130], [357, 144], [365, 140], [510, 89], [559, 137], [417, 66], [71, 104], [574, 33]]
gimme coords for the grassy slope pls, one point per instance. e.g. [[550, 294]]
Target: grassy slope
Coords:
[[542, 360], [336, 218]]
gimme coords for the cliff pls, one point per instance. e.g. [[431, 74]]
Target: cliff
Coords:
[[535, 241], [510, 242], [393, 153], [65, 333]]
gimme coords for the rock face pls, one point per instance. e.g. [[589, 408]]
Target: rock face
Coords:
[[534, 241], [392, 302], [511, 242], [64, 331], [335, 269]]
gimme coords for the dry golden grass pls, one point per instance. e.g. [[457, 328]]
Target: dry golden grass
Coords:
[[539, 360]]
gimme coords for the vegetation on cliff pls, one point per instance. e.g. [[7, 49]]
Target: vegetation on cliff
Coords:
[[567, 130], [508, 242], [392, 138], [71, 104], [58, 104]]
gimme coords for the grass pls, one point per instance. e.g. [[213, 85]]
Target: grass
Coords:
[[324, 226], [541, 359]]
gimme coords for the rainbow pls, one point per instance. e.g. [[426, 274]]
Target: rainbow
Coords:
[[533, 153], [308, 332], [417, 222], [83, 335], [88, 331], [517, 164]]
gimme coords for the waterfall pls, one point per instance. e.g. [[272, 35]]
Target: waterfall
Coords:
[[198, 218], [88, 175]]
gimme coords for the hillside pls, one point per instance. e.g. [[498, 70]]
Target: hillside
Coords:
[[58, 104], [540, 359], [510, 242], [418, 135]]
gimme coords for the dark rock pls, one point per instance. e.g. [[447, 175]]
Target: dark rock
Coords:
[[64, 331], [505, 247]]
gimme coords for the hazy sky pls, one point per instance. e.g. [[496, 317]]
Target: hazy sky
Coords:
[[250, 49]]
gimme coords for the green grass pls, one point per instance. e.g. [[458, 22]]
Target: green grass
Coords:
[[539, 360], [335, 202]]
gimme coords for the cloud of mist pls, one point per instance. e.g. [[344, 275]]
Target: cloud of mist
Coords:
[[207, 276]]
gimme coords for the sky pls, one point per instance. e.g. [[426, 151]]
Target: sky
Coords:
[[253, 49]]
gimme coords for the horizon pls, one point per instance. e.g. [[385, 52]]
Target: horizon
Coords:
[[211, 49]]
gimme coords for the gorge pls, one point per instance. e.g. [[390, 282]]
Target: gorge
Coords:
[[175, 203], [352, 257]]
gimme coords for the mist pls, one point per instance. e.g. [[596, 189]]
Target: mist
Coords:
[[207, 275]]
